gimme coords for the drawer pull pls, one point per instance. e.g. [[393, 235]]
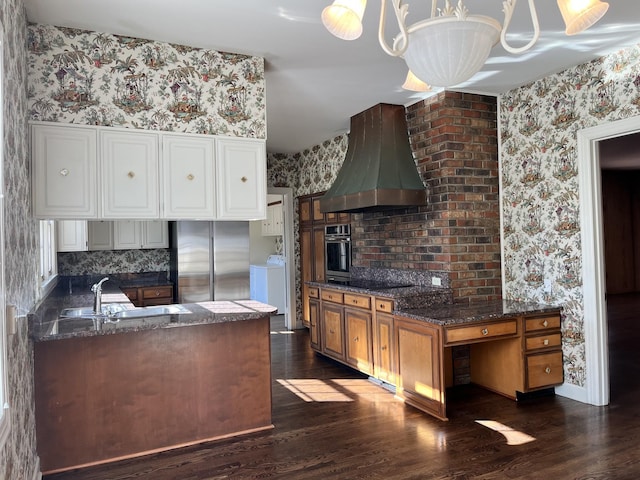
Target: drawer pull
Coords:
[[64, 172], [381, 306], [357, 339], [545, 323], [547, 370], [484, 331], [354, 301], [157, 293], [545, 341]]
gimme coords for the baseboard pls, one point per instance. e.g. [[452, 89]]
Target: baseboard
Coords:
[[573, 392]]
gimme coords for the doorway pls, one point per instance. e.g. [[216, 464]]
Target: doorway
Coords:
[[597, 388]]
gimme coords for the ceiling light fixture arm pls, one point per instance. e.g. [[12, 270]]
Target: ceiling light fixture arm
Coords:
[[402, 40], [508, 6]]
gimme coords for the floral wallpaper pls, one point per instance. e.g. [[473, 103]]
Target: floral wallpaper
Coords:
[[92, 78], [18, 459], [109, 262], [540, 200]]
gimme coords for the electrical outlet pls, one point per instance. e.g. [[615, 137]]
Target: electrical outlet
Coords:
[[547, 285], [436, 281]]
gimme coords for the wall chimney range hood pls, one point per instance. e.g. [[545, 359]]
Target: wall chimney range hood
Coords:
[[379, 169]]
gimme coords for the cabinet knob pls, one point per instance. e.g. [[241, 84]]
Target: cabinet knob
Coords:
[[357, 339], [332, 331], [157, 293], [64, 172], [190, 176], [131, 174], [244, 179], [545, 324], [545, 341], [547, 370], [484, 331], [383, 348]]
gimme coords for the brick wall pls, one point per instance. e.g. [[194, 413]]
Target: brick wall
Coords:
[[455, 144]]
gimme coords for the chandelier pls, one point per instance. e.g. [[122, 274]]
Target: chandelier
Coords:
[[451, 46]]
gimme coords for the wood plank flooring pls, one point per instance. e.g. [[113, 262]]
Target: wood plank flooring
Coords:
[[331, 423]]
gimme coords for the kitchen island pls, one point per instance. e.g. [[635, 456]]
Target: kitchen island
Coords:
[[112, 390]]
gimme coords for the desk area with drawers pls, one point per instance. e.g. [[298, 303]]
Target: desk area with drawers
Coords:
[[515, 348]]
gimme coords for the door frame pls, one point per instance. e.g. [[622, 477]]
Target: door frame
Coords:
[[593, 265], [290, 254]]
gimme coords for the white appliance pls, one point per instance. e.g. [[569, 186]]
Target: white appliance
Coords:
[[267, 282]]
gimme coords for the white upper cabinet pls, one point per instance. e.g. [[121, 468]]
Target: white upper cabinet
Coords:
[[100, 235], [65, 172], [155, 234], [132, 235], [188, 186], [129, 174], [71, 235], [241, 170]]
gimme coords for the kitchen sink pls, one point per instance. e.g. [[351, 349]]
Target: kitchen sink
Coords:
[[149, 311], [87, 312], [117, 311]]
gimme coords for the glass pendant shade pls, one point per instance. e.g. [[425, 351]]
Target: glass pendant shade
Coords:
[[414, 84], [343, 18], [447, 51], [578, 15]]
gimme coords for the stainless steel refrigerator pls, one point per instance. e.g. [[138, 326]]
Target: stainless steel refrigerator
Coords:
[[209, 261]]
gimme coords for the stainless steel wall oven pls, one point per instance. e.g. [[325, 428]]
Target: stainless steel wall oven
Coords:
[[337, 243]]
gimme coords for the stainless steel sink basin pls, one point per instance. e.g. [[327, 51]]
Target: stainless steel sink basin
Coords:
[[149, 311], [87, 312], [115, 312]]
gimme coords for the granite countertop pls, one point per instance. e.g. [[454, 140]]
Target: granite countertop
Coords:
[[44, 323], [461, 313]]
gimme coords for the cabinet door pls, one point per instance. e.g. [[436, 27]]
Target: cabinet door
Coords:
[[318, 254], [358, 340], [129, 175], [72, 235], [64, 172], [332, 331], [306, 269], [100, 235], [314, 325], [188, 173], [317, 215], [420, 367], [155, 234], [304, 210], [241, 174], [127, 235], [383, 351]]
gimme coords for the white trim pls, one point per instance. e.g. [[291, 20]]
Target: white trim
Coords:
[[291, 321], [37, 474], [593, 268], [574, 392]]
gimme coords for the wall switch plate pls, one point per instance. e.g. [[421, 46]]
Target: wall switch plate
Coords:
[[436, 281], [547, 285]]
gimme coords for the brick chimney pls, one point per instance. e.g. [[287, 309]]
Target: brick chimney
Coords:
[[457, 234]]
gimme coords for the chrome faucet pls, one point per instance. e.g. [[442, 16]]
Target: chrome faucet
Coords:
[[96, 288]]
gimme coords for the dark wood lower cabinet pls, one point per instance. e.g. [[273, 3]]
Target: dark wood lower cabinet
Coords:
[[109, 397]]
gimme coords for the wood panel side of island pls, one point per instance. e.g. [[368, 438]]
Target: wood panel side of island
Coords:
[[108, 397]]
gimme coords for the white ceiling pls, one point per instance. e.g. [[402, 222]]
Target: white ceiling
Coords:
[[316, 82]]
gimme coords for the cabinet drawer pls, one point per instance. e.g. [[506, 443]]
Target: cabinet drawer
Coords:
[[157, 292], [384, 305], [314, 292], [360, 301], [332, 296], [131, 293], [543, 341], [544, 370], [534, 324], [481, 331]]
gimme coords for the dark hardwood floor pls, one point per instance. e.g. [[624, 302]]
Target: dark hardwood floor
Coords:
[[331, 423]]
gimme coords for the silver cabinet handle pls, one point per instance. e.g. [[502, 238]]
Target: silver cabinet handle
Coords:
[[484, 331], [545, 324], [547, 370], [64, 172]]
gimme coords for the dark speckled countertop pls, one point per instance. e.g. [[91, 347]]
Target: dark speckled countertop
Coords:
[[73, 292], [460, 313]]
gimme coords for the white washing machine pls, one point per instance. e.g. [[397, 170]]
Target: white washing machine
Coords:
[[267, 282]]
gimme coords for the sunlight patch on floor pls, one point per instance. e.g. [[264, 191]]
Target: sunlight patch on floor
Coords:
[[514, 437], [336, 390]]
